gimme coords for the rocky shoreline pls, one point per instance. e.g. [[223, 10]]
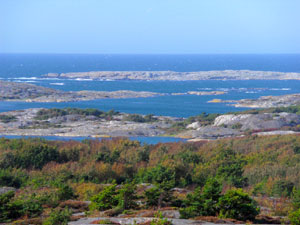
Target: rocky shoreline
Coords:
[[263, 101], [72, 122], [177, 76], [27, 123]]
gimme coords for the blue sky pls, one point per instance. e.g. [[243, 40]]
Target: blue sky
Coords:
[[150, 26]]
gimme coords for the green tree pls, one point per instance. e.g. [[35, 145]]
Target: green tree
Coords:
[[237, 204], [231, 168], [203, 203], [152, 196], [294, 217], [58, 217], [126, 196], [283, 188], [106, 199], [65, 192], [296, 198]]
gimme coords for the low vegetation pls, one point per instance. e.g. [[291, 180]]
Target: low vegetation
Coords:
[[204, 119], [140, 118], [227, 178], [45, 114], [7, 118]]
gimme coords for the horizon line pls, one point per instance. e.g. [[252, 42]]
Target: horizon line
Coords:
[[61, 53]]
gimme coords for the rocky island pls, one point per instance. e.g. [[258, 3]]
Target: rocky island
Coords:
[[13, 91], [264, 101], [177, 76]]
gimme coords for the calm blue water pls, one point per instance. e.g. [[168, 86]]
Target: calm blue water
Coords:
[[143, 140], [28, 68]]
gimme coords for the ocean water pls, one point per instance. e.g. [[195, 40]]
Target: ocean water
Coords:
[[143, 140], [30, 67]]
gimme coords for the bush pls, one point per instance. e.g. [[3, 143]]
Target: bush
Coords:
[[203, 203], [106, 199], [58, 217], [159, 174], [33, 156], [11, 179], [160, 220], [231, 167], [140, 119], [45, 114], [283, 188], [8, 210], [152, 196], [237, 204], [126, 196], [7, 118], [65, 192], [11, 208], [294, 217], [296, 198]]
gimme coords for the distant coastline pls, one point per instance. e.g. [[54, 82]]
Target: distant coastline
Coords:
[[178, 76]]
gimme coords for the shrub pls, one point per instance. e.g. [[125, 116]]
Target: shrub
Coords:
[[65, 192], [8, 210], [160, 220], [237, 204], [283, 188], [106, 199], [203, 203], [296, 198], [140, 119], [161, 195], [294, 217], [11, 179], [58, 217], [32, 156], [159, 174], [11, 208], [152, 196], [231, 168], [7, 118], [126, 196]]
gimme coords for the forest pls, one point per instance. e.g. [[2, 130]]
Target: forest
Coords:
[[246, 179]]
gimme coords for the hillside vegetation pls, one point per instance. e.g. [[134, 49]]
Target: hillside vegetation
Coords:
[[49, 172]]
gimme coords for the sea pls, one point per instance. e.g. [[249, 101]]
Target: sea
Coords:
[[29, 68]]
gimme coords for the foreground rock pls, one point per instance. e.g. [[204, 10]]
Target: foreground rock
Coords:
[[210, 132], [144, 221], [171, 75], [12, 91], [4, 190], [136, 220]]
